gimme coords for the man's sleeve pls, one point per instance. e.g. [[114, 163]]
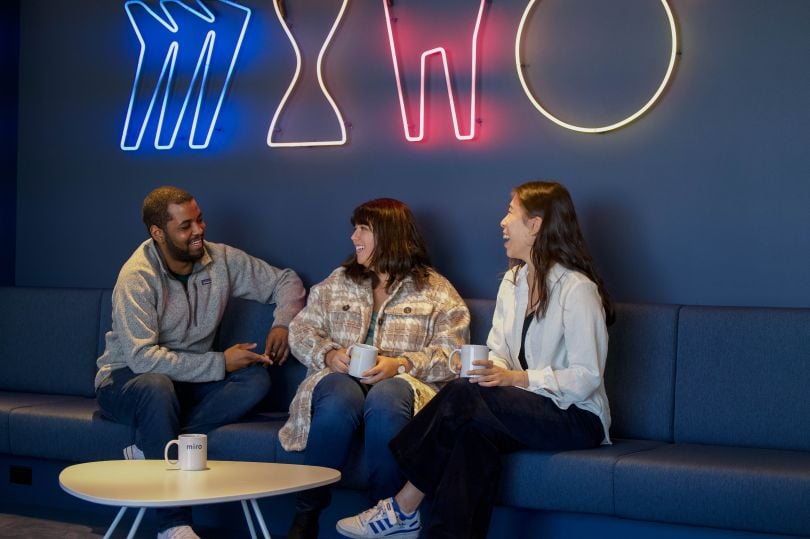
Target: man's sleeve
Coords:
[[255, 279]]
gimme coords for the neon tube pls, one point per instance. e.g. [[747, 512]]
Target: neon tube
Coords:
[[602, 129]]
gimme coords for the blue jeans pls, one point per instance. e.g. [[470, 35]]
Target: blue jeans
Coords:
[[341, 407], [160, 409]]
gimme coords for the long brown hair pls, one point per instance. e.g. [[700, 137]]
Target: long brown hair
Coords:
[[560, 240], [399, 249]]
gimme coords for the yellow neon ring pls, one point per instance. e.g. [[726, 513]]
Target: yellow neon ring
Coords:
[[642, 110]]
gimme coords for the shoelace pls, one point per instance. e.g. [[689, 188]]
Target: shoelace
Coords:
[[382, 508]]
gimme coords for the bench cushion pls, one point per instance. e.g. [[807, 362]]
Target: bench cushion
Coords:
[[577, 481], [10, 401], [743, 377], [71, 429], [640, 371], [49, 340], [762, 490]]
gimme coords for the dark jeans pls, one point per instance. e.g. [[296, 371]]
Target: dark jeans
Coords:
[[160, 409], [341, 408], [452, 449]]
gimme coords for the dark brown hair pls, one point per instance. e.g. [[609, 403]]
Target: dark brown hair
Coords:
[[560, 239], [155, 210], [399, 249]]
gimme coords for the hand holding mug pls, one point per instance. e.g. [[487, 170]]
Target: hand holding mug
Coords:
[[485, 373], [469, 355], [363, 358], [337, 360]]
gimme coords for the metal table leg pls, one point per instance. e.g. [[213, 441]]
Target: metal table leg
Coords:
[[260, 518], [136, 523], [249, 519], [115, 522]]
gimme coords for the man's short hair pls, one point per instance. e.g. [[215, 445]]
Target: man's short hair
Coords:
[[155, 209]]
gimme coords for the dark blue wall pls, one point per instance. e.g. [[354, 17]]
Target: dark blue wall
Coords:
[[703, 200], [9, 62]]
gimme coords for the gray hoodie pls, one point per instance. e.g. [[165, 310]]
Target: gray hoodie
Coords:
[[161, 326]]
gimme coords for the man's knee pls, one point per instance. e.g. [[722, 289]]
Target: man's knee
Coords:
[[255, 378], [153, 386]]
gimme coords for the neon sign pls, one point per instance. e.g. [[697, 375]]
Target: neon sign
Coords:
[[271, 132], [209, 44], [604, 128], [176, 72], [442, 53]]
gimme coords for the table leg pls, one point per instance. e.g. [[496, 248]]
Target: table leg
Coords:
[[249, 519], [115, 522], [260, 518], [136, 523]]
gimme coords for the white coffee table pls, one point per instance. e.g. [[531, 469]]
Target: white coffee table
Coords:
[[148, 483]]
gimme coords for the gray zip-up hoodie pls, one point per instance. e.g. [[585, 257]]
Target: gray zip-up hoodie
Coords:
[[161, 326]]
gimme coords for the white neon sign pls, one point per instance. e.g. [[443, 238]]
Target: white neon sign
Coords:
[[271, 132], [604, 128], [442, 52], [166, 79]]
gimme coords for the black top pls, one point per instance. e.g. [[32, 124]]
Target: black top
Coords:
[[522, 355]]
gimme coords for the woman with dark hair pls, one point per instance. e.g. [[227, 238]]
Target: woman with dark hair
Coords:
[[541, 387], [386, 295]]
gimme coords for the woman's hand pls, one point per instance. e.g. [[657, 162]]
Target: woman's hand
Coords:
[[488, 374], [386, 367], [337, 360]]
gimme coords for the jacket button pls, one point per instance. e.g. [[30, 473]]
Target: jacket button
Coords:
[[407, 310], [346, 307]]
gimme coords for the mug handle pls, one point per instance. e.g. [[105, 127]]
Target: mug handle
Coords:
[[450, 361], [172, 464]]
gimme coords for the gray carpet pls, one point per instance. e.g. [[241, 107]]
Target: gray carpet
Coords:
[[24, 527], [84, 526]]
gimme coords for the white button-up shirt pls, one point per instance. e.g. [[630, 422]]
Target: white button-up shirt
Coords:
[[566, 349]]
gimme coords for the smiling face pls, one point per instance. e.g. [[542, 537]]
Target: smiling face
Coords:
[[519, 231], [364, 243], [181, 241]]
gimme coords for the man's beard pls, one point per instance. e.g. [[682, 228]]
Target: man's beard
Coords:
[[182, 255]]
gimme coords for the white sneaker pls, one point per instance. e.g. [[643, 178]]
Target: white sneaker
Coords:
[[383, 520], [178, 532], [133, 452]]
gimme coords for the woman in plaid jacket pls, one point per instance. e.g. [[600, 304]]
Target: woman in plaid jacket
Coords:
[[386, 295]]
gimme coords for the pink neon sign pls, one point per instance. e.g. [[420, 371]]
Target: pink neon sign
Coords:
[[441, 52]]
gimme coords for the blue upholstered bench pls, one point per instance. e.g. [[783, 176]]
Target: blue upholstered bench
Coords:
[[711, 421]]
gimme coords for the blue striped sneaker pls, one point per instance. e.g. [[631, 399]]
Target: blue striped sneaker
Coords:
[[382, 520]]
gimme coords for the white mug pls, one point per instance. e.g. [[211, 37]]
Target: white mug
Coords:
[[362, 358], [467, 354], [192, 452]]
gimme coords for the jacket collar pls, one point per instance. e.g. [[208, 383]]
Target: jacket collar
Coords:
[[153, 249]]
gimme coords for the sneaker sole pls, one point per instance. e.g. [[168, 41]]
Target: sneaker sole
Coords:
[[410, 534]]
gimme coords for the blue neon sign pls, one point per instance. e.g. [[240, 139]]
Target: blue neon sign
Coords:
[[186, 58]]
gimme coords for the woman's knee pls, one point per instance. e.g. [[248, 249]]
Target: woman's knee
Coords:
[[392, 396], [339, 392]]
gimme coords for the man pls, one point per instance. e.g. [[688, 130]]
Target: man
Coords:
[[158, 371]]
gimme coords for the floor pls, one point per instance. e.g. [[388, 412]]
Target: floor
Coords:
[[25, 523]]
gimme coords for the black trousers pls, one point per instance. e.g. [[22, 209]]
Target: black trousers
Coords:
[[452, 449]]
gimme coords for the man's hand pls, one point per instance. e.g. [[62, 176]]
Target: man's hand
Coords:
[[240, 356], [487, 374], [277, 347]]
